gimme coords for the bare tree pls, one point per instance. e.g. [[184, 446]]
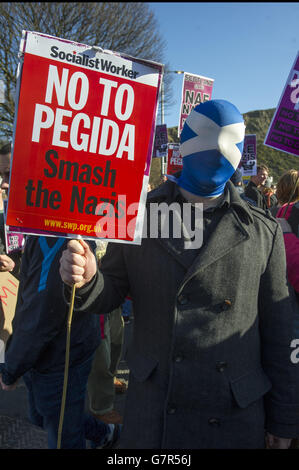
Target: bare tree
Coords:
[[130, 28]]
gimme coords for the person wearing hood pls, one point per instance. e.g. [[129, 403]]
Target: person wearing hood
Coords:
[[209, 357], [237, 181]]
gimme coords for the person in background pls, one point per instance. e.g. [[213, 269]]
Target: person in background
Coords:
[[10, 262], [269, 194], [288, 216], [205, 372], [102, 381], [237, 181], [36, 349], [253, 190]]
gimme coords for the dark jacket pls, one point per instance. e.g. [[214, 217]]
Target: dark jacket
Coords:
[[209, 357], [39, 326], [251, 191]]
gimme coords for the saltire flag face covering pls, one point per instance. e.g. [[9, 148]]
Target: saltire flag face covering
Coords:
[[211, 147]]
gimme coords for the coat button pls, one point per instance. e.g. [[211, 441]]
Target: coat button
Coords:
[[221, 366], [214, 422], [178, 358], [182, 300], [171, 410], [226, 304]]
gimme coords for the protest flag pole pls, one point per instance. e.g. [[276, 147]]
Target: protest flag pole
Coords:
[[66, 365], [67, 361], [164, 159]]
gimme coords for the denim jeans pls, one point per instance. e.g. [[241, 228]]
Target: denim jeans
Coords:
[[44, 396]]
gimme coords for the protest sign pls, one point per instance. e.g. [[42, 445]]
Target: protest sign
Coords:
[[174, 159], [283, 133], [83, 140], [248, 161], [161, 140], [14, 241], [8, 293], [196, 89]]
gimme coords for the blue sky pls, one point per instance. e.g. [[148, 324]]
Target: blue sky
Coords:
[[248, 48]]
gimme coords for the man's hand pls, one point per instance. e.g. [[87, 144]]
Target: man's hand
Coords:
[[274, 442], [6, 263], [8, 388], [77, 263]]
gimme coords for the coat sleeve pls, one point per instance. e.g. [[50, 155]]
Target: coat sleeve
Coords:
[[108, 288], [279, 326]]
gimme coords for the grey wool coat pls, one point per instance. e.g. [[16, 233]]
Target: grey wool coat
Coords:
[[210, 353]]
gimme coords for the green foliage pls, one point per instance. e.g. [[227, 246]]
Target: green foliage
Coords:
[[128, 27], [258, 122], [155, 173]]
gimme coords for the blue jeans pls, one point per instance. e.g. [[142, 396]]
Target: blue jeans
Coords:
[[44, 396]]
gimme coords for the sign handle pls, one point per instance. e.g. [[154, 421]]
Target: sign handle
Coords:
[[66, 366]]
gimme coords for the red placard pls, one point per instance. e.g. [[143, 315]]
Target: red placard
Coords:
[[174, 159], [83, 140]]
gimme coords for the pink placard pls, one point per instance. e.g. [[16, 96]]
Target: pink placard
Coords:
[[283, 133], [196, 89]]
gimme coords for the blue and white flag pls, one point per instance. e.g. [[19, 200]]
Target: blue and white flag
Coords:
[[211, 147]]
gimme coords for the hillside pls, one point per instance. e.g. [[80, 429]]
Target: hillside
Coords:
[[257, 122]]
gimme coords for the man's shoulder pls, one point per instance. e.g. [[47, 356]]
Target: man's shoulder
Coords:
[[251, 187], [264, 217]]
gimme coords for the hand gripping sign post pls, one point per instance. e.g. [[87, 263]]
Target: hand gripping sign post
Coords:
[[82, 144], [174, 159]]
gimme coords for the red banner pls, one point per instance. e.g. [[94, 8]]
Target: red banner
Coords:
[[174, 159], [83, 140]]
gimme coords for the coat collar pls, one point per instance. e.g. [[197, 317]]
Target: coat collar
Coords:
[[168, 192], [229, 232]]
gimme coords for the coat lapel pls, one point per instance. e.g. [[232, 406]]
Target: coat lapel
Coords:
[[167, 193], [175, 246], [229, 232]]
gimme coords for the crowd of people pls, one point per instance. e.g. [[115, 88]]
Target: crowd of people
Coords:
[[210, 357]]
